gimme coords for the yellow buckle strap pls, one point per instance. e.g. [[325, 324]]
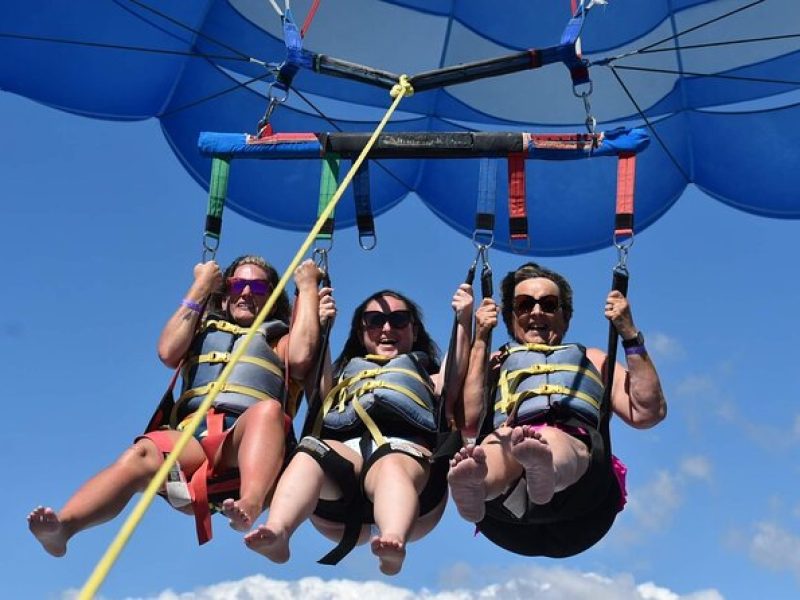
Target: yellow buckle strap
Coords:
[[543, 348], [228, 387], [225, 357], [225, 326], [371, 426], [543, 390]]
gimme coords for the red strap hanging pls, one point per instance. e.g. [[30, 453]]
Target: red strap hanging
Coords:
[[517, 209], [626, 178]]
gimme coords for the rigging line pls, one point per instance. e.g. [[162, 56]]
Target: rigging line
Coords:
[[242, 84], [650, 125], [175, 21], [333, 124], [771, 38], [709, 75], [35, 38], [701, 25]]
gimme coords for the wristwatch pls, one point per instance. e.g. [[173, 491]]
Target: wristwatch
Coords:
[[634, 342]]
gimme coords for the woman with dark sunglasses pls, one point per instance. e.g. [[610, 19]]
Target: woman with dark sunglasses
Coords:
[[542, 480], [246, 428], [370, 458]]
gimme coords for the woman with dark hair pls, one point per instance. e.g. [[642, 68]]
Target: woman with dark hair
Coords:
[[370, 458], [247, 426], [539, 444]]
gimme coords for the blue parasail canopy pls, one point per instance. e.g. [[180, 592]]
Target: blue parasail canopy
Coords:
[[714, 84]]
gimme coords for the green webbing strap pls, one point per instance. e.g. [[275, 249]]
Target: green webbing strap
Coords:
[[328, 182], [217, 192]]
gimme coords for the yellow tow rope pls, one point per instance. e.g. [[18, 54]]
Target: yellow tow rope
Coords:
[[399, 91]]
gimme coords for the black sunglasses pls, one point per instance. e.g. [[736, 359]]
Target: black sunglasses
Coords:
[[397, 319], [524, 304]]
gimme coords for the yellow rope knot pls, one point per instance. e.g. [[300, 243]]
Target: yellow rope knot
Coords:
[[403, 87]]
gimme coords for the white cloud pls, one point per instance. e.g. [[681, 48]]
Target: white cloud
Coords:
[[663, 346], [697, 385], [775, 548], [652, 505], [696, 467], [534, 583]]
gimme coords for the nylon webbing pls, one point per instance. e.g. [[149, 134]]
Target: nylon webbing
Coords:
[[328, 182], [101, 570], [487, 200], [364, 219], [626, 180], [517, 209], [217, 192]]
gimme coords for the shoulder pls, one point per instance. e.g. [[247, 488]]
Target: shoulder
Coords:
[[597, 357]]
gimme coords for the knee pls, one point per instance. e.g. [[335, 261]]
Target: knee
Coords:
[[267, 410], [143, 457]]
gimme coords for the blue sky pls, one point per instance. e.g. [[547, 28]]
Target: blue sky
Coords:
[[102, 229]]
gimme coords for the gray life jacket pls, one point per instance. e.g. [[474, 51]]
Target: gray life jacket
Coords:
[[536, 379], [258, 375], [397, 394]]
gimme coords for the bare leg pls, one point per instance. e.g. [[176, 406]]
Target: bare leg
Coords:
[[296, 496], [255, 445], [105, 495], [393, 484], [467, 476]]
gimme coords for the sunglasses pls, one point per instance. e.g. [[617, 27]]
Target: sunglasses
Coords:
[[398, 319], [258, 287], [524, 304]]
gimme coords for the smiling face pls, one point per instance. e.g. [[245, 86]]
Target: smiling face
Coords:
[[387, 339], [243, 307], [532, 325]]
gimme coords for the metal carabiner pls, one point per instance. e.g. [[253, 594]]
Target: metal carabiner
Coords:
[[274, 101], [320, 258], [209, 249], [623, 249]]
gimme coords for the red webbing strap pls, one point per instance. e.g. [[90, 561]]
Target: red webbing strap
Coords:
[[626, 179], [198, 485], [310, 17], [517, 209]]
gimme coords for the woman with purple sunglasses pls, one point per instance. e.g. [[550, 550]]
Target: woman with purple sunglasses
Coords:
[[247, 427], [369, 460], [542, 480]]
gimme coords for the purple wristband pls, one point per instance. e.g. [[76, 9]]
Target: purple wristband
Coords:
[[635, 350], [191, 305]]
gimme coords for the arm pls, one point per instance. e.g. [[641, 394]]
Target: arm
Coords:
[[475, 381], [462, 306], [637, 396], [305, 332], [177, 335]]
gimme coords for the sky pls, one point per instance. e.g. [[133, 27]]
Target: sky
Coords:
[[103, 227]]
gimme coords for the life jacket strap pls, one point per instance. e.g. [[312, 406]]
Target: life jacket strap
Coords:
[[225, 358]]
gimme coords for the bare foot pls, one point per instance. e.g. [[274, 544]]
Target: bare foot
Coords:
[[531, 450], [273, 545], [391, 553], [466, 477], [241, 517], [46, 527]]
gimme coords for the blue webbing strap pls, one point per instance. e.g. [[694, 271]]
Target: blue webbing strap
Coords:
[[487, 199]]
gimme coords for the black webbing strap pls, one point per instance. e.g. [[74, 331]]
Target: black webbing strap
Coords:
[[364, 219]]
